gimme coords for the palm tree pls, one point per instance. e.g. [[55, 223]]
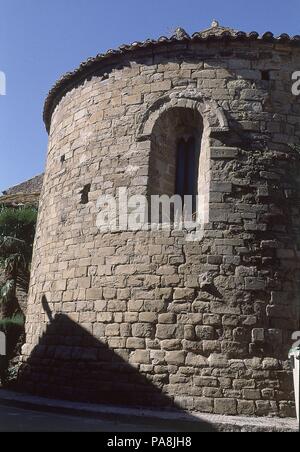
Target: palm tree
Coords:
[[17, 229]]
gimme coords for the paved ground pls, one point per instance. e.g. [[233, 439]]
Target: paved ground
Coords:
[[25, 413], [20, 420]]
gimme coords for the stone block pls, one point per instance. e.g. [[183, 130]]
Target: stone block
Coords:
[[223, 187], [177, 358], [94, 294], [243, 384], [270, 364], [116, 342], [184, 294], [204, 405], [100, 306], [212, 319], [135, 343], [112, 330], [206, 381], [168, 318], [164, 331], [125, 330], [194, 360], [205, 332], [105, 317], [211, 346], [245, 408], [225, 406], [224, 153], [60, 285], [143, 330], [251, 394], [161, 86], [218, 361], [171, 344], [189, 332], [148, 317], [212, 392], [99, 330], [253, 283], [140, 357]]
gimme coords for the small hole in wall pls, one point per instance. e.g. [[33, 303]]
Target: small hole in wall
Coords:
[[265, 75], [85, 194], [63, 159]]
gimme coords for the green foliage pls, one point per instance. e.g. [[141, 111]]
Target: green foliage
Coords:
[[17, 320], [18, 222], [17, 230]]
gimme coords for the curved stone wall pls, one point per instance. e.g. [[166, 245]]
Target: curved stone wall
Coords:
[[148, 317]]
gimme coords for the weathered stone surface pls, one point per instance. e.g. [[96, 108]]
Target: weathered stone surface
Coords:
[[167, 318], [140, 357], [194, 360], [271, 364], [218, 360], [206, 381], [245, 408], [207, 323], [143, 330], [251, 394], [205, 332], [134, 342], [225, 406], [204, 405], [176, 358]]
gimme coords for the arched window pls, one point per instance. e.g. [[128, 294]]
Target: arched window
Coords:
[[175, 155]]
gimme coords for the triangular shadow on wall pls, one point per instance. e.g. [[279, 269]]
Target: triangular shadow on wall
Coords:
[[69, 363]]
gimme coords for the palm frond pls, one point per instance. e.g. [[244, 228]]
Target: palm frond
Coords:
[[7, 291], [10, 245], [17, 230]]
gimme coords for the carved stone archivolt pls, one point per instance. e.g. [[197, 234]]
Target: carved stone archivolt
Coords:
[[213, 115]]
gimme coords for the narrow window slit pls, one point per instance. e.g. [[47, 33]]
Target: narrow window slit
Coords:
[[85, 194], [265, 75], [186, 170]]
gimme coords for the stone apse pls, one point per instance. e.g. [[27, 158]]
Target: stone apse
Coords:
[[147, 317]]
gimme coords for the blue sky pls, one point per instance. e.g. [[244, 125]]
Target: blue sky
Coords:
[[42, 39]]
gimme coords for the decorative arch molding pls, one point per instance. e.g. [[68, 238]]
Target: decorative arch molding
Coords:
[[214, 118]]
